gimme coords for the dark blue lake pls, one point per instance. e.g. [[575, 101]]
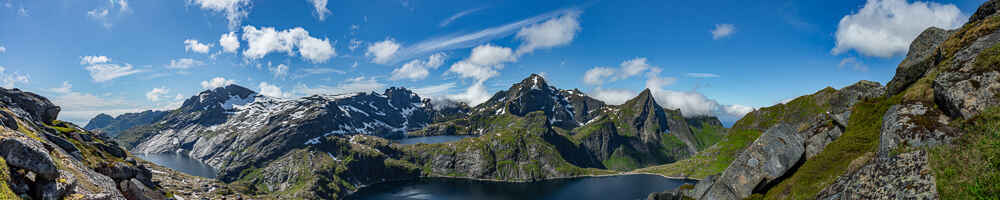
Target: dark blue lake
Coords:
[[432, 139], [181, 163], [623, 187]]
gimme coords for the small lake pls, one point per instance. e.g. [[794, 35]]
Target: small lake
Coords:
[[623, 187], [432, 139], [181, 163]]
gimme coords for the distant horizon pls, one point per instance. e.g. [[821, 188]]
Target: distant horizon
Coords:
[[704, 58]]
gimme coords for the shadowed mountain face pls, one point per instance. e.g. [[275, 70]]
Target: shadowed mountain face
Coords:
[[111, 126]]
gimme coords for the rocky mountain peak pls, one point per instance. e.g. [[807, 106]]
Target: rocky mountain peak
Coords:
[[986, 10], [35, 106], [101, 120]]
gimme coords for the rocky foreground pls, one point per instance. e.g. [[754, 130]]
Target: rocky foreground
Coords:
[[931, 133]]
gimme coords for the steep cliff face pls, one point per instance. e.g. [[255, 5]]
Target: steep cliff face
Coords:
[[43, 158]]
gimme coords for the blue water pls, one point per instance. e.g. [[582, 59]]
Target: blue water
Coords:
[[181, 163], [432, 139], [624, 187]]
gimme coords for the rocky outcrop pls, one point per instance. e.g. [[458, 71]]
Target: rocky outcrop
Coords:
[[904, 176], [49, 159], [970, 82], [921, 57], [761, 165]]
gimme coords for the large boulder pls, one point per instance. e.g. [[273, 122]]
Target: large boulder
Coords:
[[59, 188], [37, 107], [969, 83], [822, 131], [29, 154], [919, 59], [761, 165], [136, 190]]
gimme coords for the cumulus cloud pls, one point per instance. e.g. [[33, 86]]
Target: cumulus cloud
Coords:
[[722, 31], [89, 60], [885, 28], [194, 45], [353, 85], [3, 49], [474, 95], [597, 75], [11, 79], [235, 10], [271, 90], [418, 69], [157, 93], [613, 96], [628, 68], [216, 82], [106, 71], [552, 33], [183, 63], [265, 40], [321, 10], [381, 52], [458, 15], [702, 75], [229, 42], [491, 55]]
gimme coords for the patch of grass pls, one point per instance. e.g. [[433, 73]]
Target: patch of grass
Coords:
[[621, 159], [707, 135], [861, 137], [969, 33], [988, 59], [968, 168], [5, 191]]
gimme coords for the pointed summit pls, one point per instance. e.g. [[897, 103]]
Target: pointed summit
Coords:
[[534, 82]]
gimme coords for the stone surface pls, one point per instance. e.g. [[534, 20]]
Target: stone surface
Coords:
[[913, 125], [762, 164], [906, 176], [26, 153], [136, 190]]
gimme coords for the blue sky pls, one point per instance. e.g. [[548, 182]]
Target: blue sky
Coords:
[[717, 58]]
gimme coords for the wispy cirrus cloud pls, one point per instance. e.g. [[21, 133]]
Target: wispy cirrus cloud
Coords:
[[458, 15]]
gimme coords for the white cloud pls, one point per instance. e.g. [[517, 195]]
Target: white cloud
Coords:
[[655, 82], [229, 42], [457, 41], [434, 91], [194, 45], [490, 55], [9, 80], [474, 95], [382, 52], [469, 70], [178, 97], [885, 28], [628, 68], [353, 85], [3, 49], [702, 75], [271, 90], [854, 63], [183, 63], [458, 15], [737, 110], [157, 93], [216, 82], [281, 70], [235, 10], [613, 96], [102, 14], [418, 69], [65, 88], [89, 60], [723, 31], [552, 33], [597, 75], [265, 40], [22, 12], [321, 10], [106, 71]]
